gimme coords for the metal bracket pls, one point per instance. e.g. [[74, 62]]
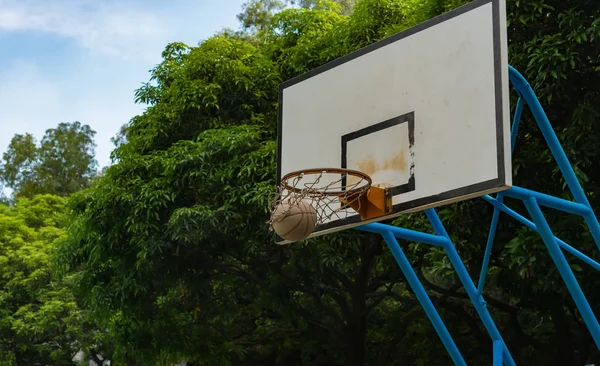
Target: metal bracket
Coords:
[[375, 203]]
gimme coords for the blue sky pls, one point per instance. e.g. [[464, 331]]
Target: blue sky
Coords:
[[67, 60]]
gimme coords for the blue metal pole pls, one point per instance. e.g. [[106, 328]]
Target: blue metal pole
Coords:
[[497, 353], [420, 293], [563, 267], [463, 275]]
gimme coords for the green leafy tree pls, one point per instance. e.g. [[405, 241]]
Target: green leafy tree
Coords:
[[346, 5], [63, 163], [256, 14], [42, 322], [19, 164]]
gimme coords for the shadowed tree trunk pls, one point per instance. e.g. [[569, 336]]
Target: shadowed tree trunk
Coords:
[[356, 329]]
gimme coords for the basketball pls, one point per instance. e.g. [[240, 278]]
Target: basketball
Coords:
[[294, 221]]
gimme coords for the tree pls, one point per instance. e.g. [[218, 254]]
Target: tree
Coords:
[[171, 249], [346, 5], [19, 164], [63, 163], [42, 322], [256, 14]]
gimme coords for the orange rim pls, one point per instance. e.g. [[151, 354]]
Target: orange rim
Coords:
[[347, 172]]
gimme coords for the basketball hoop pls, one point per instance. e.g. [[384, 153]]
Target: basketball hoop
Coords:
[[309, 198]]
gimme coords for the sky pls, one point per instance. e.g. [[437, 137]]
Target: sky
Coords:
[[81, 60]]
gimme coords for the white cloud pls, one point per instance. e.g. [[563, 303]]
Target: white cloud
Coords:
[[116, 28]]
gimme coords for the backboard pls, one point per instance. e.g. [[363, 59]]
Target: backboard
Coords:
[[424, 112]]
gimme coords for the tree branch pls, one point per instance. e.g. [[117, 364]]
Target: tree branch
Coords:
[[339, 298], [400, 333], [314, 294], [343, 280]]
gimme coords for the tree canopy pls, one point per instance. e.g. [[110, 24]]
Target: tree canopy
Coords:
[[42, 321], [63, 162], [170, 248], [256, 15]]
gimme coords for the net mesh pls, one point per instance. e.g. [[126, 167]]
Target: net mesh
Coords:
[[330, 192]]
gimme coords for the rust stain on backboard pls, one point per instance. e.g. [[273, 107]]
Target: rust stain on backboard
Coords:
[[397, 162]]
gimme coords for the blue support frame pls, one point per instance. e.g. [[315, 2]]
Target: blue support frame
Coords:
[[532, 200]]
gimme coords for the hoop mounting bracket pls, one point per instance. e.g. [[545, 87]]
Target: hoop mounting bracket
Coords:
[[377, 202]]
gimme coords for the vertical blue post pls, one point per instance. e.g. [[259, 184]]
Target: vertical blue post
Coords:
[[465, 278], [421, 294], [514, 129], [488, 247], [563, 268]]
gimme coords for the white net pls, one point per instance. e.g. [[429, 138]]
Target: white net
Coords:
[[331, 192]]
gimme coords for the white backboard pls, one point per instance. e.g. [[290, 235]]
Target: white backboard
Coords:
[[425, 111]]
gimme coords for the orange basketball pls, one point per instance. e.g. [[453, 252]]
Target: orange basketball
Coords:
[[294, 221]]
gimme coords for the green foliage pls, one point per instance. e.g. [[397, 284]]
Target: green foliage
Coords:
[[170, 249], [19, 163], [42, 322], [182, 192], [63, 163], [256, 14], [346, 5]]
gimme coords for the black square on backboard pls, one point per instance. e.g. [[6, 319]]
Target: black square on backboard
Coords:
[[408, 118]]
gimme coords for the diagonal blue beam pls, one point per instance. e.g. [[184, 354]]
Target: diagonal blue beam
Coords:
[[497, 353]]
